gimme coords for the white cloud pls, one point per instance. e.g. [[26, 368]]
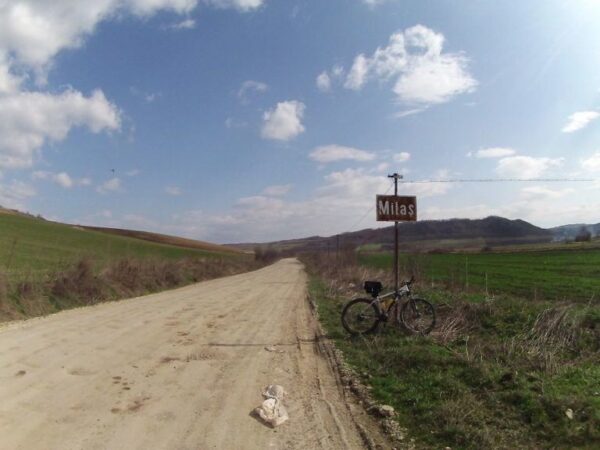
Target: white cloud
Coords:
[[337, 72], [580, 120], [173, 190], [358, 73], [592, 163], [251, 86], [186, 24], [525, 166], [133, 172], [326, 79], [260, 202], [148, 97], [414, 59], [242, 5], [374, 2], [324, 82], [35, 32], [15, 194], [63, 179], [331, 153], [382, 167], [112, 185], [494, 152], [284, 122], [32, 34], [29, 119], [409, 112], [277, 190], [542, 192], [230, 122], [401, 157]]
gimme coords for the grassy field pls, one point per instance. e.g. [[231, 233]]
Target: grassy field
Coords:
[[168, 240], [46, 267], [31, 248], [500, 373], [550, 274]]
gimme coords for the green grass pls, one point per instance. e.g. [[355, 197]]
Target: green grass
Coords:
[[487, 388], [554, 274], [31, 248]]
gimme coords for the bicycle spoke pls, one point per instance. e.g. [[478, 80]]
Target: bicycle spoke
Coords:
[[418, 316]]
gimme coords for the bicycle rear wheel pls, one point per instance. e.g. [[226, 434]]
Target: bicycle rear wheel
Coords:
[[360, 316], [418, 315]]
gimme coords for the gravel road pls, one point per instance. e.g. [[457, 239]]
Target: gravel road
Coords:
[[182, 369]]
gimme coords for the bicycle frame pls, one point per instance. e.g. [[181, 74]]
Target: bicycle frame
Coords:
[[404, 291]]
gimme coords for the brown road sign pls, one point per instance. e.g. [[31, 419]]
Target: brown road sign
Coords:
[[393, 208]]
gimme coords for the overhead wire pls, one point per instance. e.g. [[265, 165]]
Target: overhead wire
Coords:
[[496, 180], [371, 209]]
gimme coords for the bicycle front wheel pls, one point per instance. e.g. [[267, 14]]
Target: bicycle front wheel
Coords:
[[418, 315], [360, 316]]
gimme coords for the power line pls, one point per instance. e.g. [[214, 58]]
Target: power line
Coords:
[[497, 180], [371, 209]]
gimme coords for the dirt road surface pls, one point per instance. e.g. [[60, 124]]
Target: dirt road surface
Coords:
[[181, 369]]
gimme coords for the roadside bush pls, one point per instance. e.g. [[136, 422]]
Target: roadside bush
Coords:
[[3, 287], [78, 283], [266, 255], [125, 275], [83, 284]]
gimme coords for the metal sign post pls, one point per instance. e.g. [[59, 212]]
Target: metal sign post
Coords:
[[397, 209]]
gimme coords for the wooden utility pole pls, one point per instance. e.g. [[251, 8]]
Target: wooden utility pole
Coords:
[[396, 177]]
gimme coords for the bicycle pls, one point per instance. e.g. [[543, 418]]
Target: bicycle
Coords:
[[363, 316]]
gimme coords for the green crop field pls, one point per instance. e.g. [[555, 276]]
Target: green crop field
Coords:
[[30, 248], [552, 274], [503, 372]]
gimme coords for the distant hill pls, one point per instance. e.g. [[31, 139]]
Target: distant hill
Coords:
[[429, 235], [569, 232]]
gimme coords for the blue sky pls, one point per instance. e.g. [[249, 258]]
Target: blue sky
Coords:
[[255, 120]]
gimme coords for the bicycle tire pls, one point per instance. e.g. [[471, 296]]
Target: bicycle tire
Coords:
[[354, 312], [418, 315]]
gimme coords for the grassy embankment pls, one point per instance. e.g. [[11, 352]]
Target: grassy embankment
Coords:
[[508, 372], [47, 266]]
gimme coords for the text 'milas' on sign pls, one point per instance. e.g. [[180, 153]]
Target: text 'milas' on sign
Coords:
[[395, 208]]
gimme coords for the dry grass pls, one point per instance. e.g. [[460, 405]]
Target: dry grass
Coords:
[[555, 331], [78, 282], [84, 284], [342, 273], [3, 287]]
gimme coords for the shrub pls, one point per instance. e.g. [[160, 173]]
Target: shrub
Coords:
[[3, 287], [266, 255], [78, 283]]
